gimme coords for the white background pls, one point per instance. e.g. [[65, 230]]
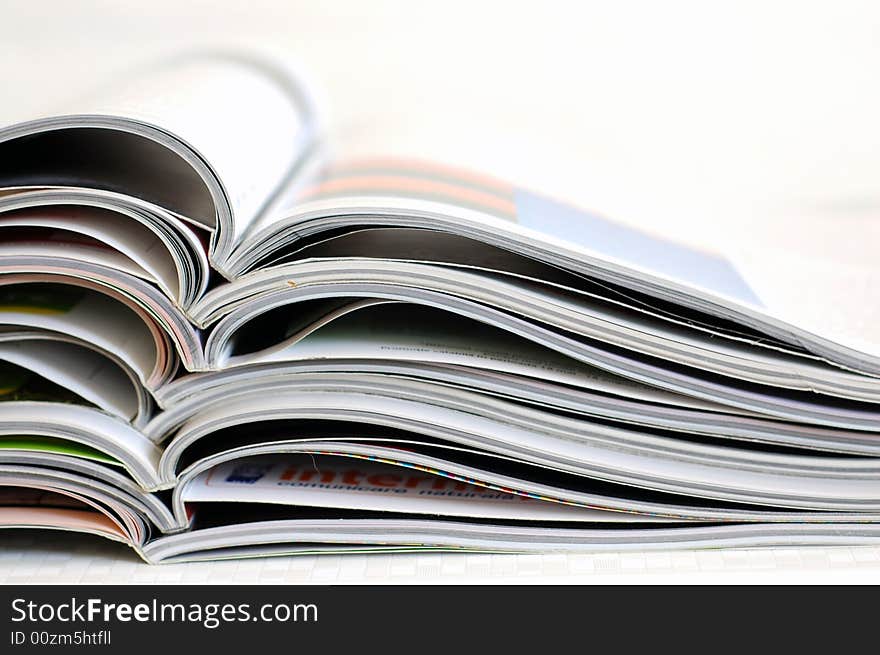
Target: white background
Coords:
[[716, 123]]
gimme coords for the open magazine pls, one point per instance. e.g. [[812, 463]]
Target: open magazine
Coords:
[[218, 340]]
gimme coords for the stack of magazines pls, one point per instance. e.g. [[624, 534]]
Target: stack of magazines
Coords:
[[217, 340]]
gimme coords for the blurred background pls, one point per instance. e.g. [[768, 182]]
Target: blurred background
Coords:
[[710, 122]]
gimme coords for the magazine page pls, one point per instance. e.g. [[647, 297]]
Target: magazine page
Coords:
[[52, 445], [411, 194], [636, 457], [367, 485], [209, 136], [83, 372], [35, 421], [744, 355], [442, 384], [89, 316], [40, 505], [146, 254], [421, 188], [737, 388], [380, 331], [20, 514], [162, 244]]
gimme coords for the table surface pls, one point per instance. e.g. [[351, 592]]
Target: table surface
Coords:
[[57, 558], [711, 125]]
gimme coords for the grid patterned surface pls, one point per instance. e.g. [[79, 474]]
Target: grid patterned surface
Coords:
[[52, 558]]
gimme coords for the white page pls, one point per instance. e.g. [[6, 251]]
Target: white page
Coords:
[[439, 339], [233, 111], [89, 316], [88, 426], [135, 241], [77, 251], [639, 463], [85, 372]]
